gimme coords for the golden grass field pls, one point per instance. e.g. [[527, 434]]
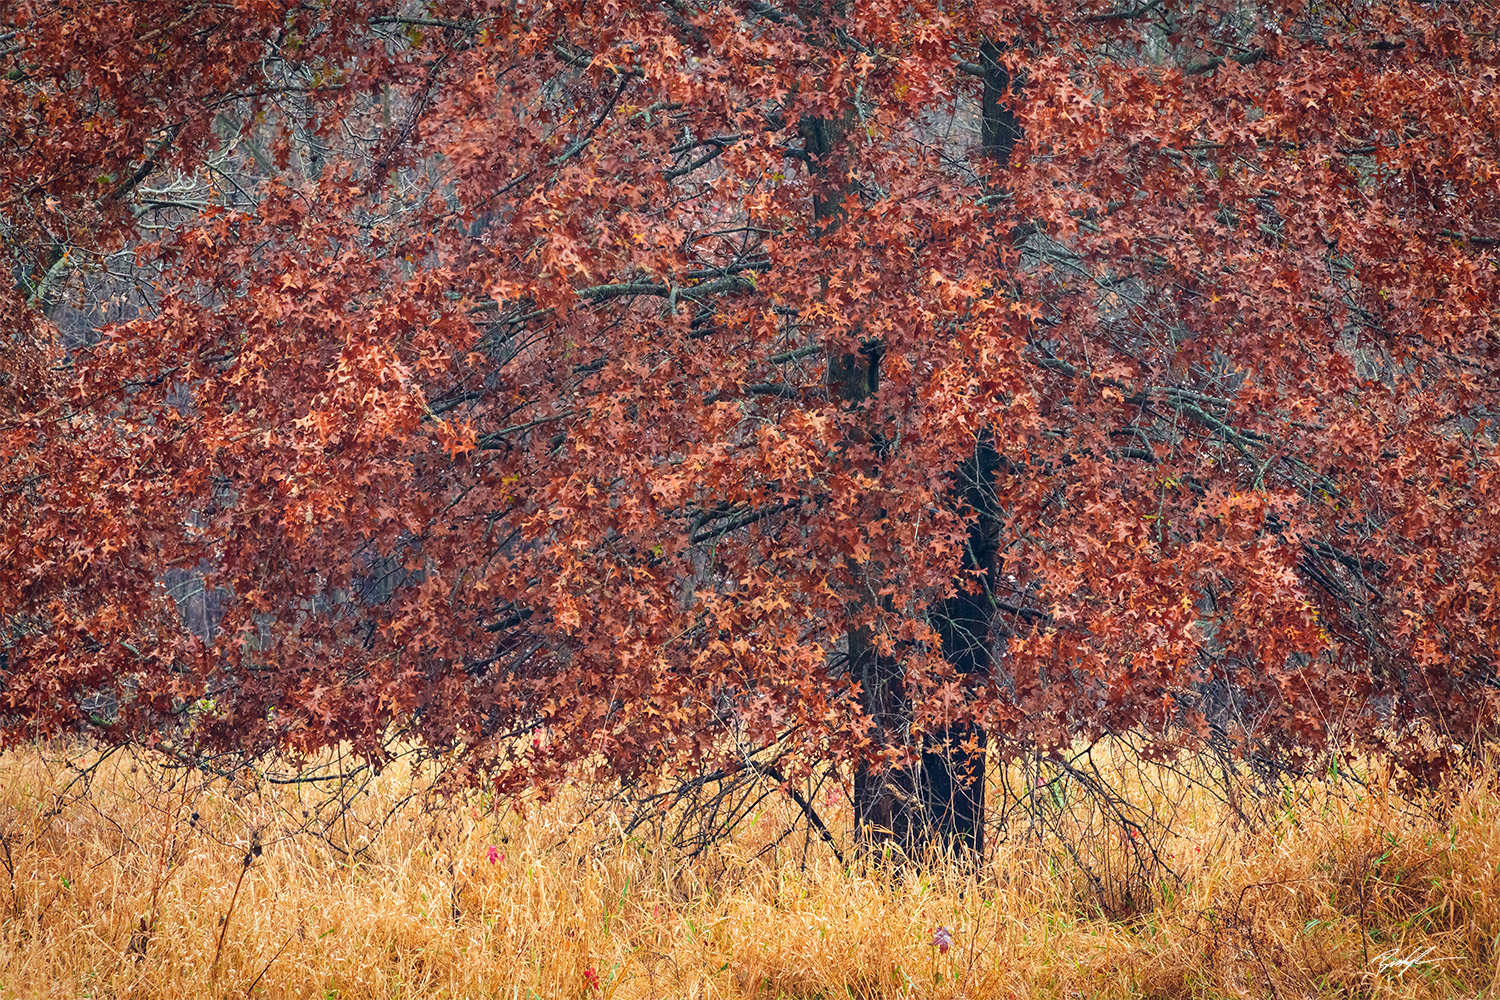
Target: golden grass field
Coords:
[[1353, 891]]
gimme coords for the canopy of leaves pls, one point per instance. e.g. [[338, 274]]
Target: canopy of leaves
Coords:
[[459, 370]]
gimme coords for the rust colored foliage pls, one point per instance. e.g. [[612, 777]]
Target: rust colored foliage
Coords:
[[459, 370]]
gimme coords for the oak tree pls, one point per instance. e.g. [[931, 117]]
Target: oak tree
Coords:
[[648, 381]]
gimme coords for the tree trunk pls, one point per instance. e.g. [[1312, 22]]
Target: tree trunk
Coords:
[[942, 795], [885, 798], [953, 759], [885, 803], [1000, 130]]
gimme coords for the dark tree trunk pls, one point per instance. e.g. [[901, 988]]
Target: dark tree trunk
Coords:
[[885, 799], [952, 784], [1001, 129], [942, 795], [952, 772]]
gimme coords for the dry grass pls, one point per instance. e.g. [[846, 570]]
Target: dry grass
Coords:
[[1353, 893]]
